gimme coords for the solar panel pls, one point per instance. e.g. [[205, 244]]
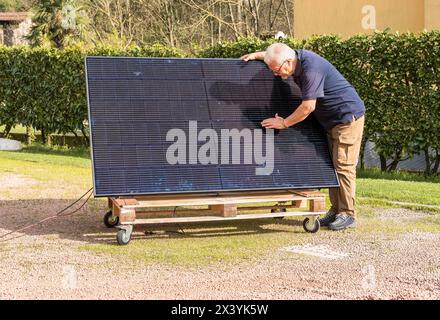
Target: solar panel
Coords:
[[194, 125]]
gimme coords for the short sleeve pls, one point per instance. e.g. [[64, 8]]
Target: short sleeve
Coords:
[[312, 85]]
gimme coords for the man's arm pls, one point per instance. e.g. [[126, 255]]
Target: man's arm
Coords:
[[254, 56], [302, 112]]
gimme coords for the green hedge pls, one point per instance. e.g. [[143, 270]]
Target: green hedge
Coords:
[[45, 88], [397, 75]]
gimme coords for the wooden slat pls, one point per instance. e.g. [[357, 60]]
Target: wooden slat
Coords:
[[126, 202], [309, 193], [217, 218], [198, 211], [287, 206], [174, 213], [144, 202]]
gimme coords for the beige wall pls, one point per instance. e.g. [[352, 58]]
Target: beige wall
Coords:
[[432, 14], [345, 17]]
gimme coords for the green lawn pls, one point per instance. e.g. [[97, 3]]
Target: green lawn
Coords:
[[70, 170], [16, 129], [381, 188], [74, 167], [22, 129]]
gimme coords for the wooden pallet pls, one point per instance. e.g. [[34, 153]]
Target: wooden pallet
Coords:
[[147, 210]]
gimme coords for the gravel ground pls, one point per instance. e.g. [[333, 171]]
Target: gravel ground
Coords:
[[45, 263]]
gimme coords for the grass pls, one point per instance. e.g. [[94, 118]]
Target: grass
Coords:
[[216, 243], [397, 175], [237, 242], [16, 129], [22, 130], [377, 188], [209, 244], [433, 268], [53, 167]]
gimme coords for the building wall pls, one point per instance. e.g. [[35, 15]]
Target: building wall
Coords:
[[349, 17], [432, 14], [22, 30], [13, 34]]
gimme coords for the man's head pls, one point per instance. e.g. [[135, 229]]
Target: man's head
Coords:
[[281, 59]]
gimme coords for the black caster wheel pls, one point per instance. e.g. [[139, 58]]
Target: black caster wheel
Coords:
[[123, 237], [310, 226], [110, 220], [278, 210]]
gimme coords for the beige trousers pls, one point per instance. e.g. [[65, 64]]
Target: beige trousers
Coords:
[[345, 143]]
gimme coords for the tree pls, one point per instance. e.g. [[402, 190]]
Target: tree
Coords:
[[58, 22], [184, 23], [15, 5]]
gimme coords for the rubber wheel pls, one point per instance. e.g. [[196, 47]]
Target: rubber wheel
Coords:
[[278, 210], [123, 237], [110, 221], [307, 225]]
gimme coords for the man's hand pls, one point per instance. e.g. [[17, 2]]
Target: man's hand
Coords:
[[253, 56], [274, 123]]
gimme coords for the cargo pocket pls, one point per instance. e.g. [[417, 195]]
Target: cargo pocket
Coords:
[[347, 139]]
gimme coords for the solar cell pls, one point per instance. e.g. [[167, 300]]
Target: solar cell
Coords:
[[193, 125]]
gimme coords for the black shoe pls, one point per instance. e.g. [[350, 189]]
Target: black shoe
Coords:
[[343, 221], [329, 218]]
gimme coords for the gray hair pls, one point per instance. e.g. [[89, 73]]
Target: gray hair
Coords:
[[278, 53]]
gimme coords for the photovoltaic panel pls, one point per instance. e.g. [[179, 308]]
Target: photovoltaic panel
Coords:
[[135, 103]]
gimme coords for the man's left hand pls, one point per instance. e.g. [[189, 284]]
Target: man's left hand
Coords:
[[274, 123]]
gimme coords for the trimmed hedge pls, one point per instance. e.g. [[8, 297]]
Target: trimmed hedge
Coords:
[[397, 75], [45, 88]]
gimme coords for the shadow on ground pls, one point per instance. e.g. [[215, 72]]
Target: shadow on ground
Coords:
[[87, 224]]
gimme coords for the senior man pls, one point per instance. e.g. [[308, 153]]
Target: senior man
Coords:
[[337, 107]]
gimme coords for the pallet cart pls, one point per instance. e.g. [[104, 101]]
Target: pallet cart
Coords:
[[126, 212]]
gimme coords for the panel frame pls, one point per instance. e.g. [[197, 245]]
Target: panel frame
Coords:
[[197, 192]]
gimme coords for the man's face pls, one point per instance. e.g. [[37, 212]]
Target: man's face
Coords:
[[284, 70]]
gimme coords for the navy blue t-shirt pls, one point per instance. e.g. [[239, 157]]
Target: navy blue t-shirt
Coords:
[[337, 100]]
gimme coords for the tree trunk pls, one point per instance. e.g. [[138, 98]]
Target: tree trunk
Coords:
[[397, 158], [292, 34], [30, 137], [240, 18], [77, 138], [362, 152], [427, 162], [219, 24], [43, 135], [394, 164], [7, 130], [289, 24], [170, 22], [86, 138], [383, 163], [235, 25], [437, 163]]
